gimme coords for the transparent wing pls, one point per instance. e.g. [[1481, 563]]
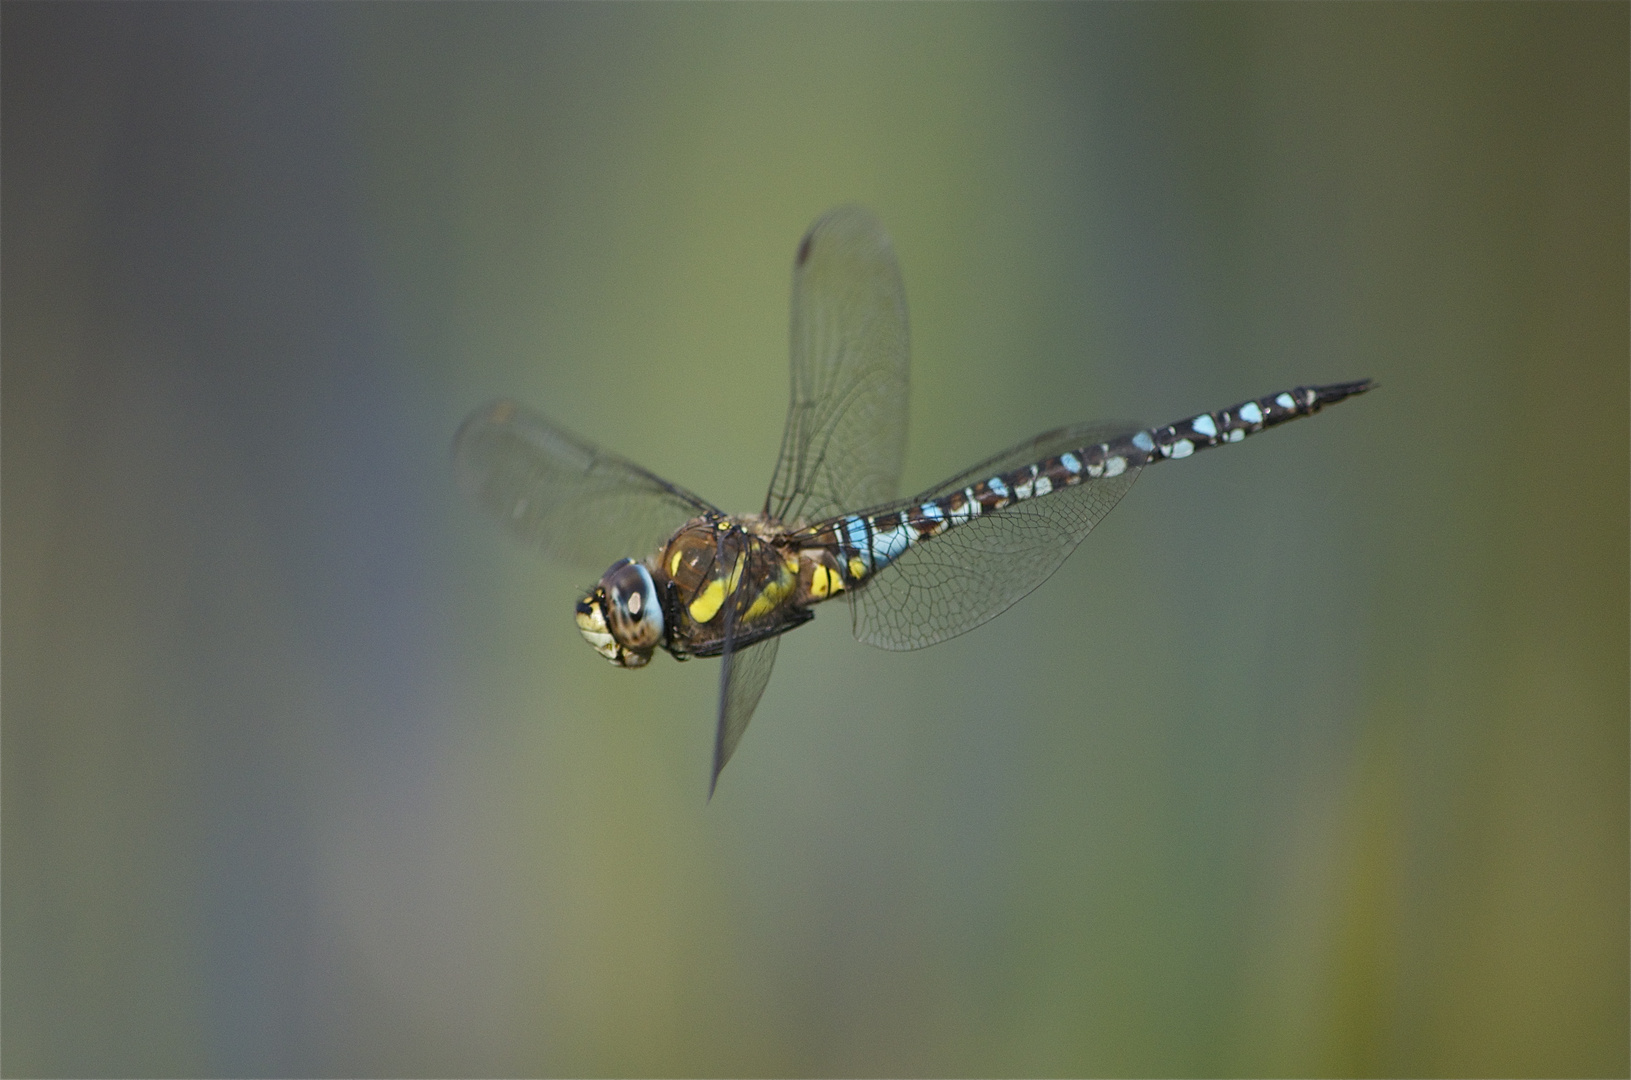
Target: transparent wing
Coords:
[[950, 584], [743, 676], [845, 439], [561, 493]]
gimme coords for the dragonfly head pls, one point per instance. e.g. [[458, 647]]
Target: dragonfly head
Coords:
[[623, 617]]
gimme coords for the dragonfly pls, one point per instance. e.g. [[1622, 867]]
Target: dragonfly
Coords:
[[692, 580]]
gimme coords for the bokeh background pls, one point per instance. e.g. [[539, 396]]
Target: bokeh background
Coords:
[[1313, 760]]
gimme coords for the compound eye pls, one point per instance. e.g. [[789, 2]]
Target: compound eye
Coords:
[[636, 614]]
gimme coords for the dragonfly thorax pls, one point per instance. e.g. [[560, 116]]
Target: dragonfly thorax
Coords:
[[623, 617]]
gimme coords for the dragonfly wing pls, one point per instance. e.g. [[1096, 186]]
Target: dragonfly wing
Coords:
[[949, 584], [560, 492], [845, 439], [744, 673]]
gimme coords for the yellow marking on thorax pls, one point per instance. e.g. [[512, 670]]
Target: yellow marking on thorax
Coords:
[[857, 569], [674, 563], [825, 582], [774, 593], [712, 598]]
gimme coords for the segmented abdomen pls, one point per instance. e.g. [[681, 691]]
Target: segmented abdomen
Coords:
[[863, 544]]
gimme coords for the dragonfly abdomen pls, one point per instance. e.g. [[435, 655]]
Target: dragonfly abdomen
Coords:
[[862, 544], [1249, 417]]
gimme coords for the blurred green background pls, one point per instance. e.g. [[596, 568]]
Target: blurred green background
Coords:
[[1313, 760]]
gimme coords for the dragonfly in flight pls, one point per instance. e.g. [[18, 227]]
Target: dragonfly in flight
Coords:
[[696, 581]]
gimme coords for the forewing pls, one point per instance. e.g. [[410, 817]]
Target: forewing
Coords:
[[743, 676], [948, 585], [562, 493], [845, 439]]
